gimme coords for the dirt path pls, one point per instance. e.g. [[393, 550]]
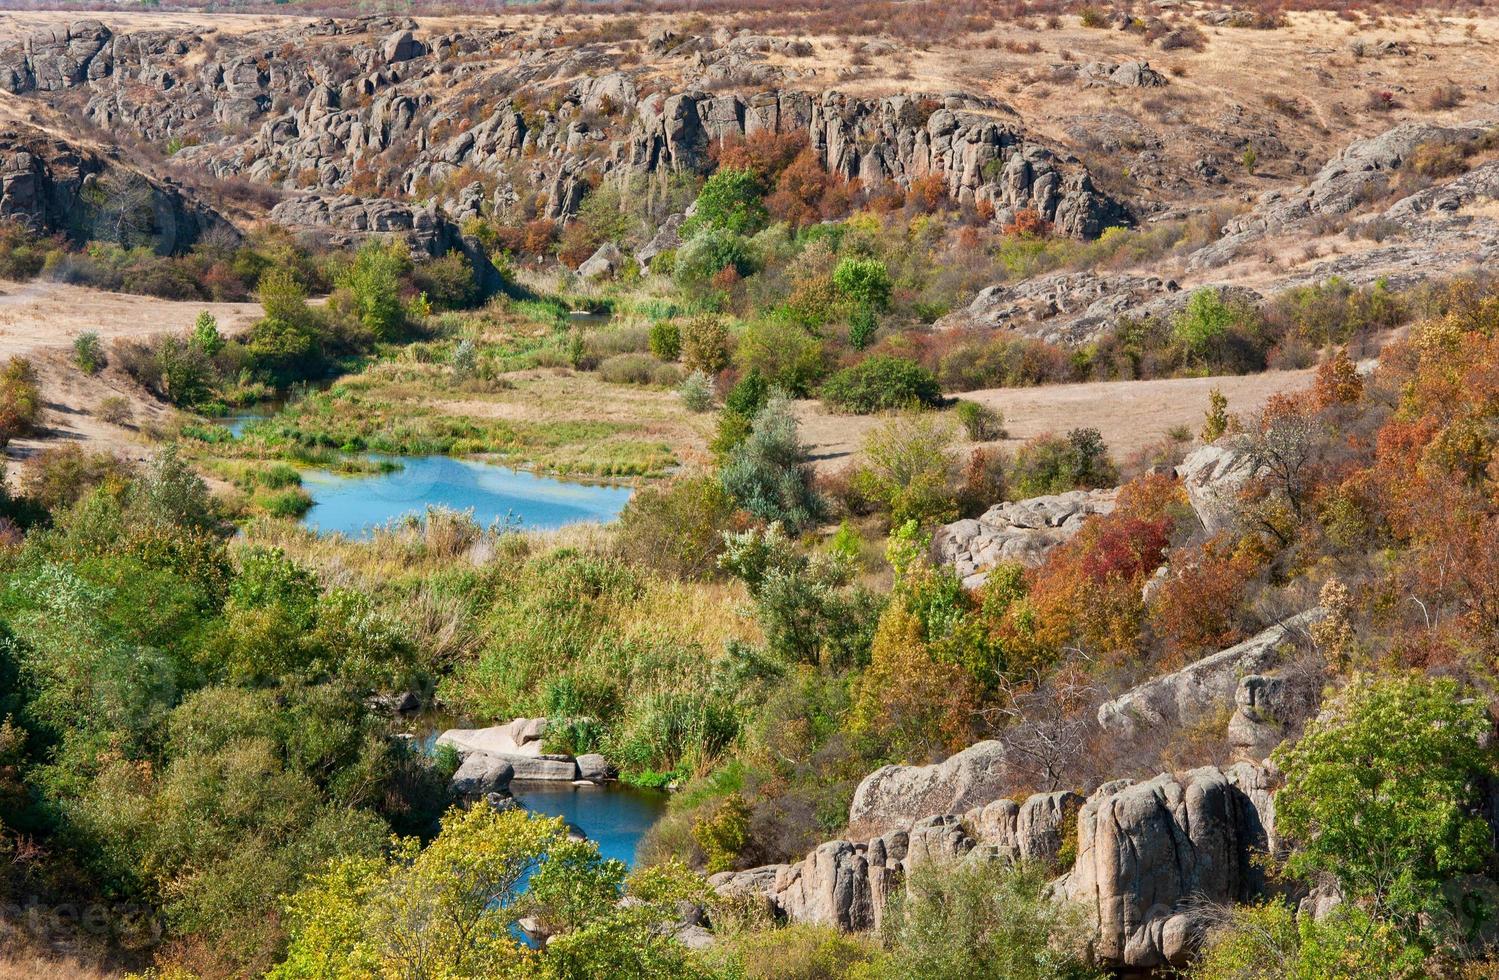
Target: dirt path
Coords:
[[40, 319], [1129, 414]]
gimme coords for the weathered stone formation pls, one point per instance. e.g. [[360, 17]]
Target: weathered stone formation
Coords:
[[1022, 531], [330, 104], [55, 186], [894, 797], [1073, 309], [847, 884], [344, 220], [1151, 855], [1213, 477], [1359, 173], [1149, 858], [490, 758], [1205, 689]]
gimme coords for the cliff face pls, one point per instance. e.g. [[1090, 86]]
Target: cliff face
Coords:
[[1149, 857], [55, 186], [499, 118]]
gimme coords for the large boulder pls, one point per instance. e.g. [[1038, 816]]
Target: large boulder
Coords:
[[895, 797], [1204, 689], [1213, 477], [1023, 531], [604, 263], [481, 774], [594, 767], [516, 743], [1153, 856], [402, 46]]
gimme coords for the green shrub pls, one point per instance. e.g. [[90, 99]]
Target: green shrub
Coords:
[[88, 352], [448, 282], [1269, 942], [982, 423], [1055, 464], [723, 834], [767, 473], [676, 528], [115, 409], [705, 344], [288, 503], [666, 340], [708, 253], [731, 200], [465, 358], [802, 952], [783, 353], [205, 336], [22, 253], [983, 919], [908, 471], [20, 399], [862, 326], [880, 383], [864, 281], [696, 392], [638, 369]]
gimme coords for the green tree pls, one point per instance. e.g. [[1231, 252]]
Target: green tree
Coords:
[[206, 336], [1382, 792], [730, 200], [374, 283], [767, 474], [983, 919], [864, 281]]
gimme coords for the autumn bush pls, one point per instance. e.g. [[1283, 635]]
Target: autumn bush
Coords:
[[20, 400]]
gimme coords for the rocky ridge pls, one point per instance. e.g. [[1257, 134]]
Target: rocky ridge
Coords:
[[336, 106], [56, 186], [1022, 531], [1142, 858]]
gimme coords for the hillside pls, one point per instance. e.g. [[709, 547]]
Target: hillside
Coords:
[[833, 490]]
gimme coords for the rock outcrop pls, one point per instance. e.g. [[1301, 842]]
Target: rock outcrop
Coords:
[[847, 884], [1359, 173], [893, 797], [1022, 531], [346, 221], [333, 105], [58, 187], [1213, 477], [1202, 690], [1151, 855], [516, 747]]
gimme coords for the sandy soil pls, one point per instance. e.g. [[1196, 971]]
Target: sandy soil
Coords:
[[1130, 415], [40, 319]]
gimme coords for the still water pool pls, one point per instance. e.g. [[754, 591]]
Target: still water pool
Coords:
[[614, 817], [353, 505]]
